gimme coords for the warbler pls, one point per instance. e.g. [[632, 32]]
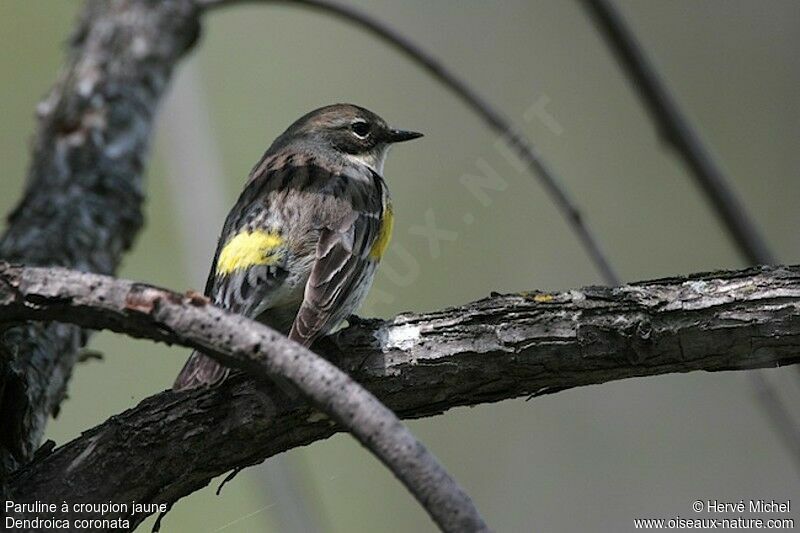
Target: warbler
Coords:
[[299, 250]]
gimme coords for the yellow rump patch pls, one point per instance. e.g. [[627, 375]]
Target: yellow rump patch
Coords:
[[248, 249], [384, 234]]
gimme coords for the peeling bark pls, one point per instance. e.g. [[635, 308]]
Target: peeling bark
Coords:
[[504, 346], [100, 302]]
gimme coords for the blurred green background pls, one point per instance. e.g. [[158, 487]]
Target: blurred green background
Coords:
[[589, 459]]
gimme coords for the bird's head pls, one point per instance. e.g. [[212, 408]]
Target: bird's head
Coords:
[[356, 133]]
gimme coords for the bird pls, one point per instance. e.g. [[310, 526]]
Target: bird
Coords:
[[299, 249]]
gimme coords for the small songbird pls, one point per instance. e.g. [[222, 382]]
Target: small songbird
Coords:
[[299, 250]]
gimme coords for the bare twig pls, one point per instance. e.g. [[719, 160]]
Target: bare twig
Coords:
[[778, 413], [419, 365], [195, 175], [98, 302], [490, 115], [677, 131]]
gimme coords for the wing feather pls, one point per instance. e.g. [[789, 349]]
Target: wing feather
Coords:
[[350, 210], [339, 279], [241, 291]]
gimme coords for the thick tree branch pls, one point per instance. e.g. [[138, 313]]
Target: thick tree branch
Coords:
[[82, 209], [501, 347], [102, 302], [91, 143], [678, 132], [82, 206]]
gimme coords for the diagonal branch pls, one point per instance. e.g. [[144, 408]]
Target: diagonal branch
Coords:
[[99, 302], [488, 113], [501, 347], [677, 131], [82, 206]]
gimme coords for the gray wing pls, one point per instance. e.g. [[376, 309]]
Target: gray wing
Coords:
[[340, 277]]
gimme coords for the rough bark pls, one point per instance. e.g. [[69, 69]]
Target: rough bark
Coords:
[[504, 346], [82, 204], [99, 302]]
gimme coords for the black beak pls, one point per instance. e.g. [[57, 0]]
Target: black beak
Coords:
[[398, 136]]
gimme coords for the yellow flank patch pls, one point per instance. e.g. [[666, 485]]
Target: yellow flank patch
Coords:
[[543, 298], [384, 234], [248, 249]]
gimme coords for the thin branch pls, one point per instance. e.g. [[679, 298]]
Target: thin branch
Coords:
[[191, 152], [488, 113], [778, 413], [677, 131], [100, 302], [501, 347], [83, 201]]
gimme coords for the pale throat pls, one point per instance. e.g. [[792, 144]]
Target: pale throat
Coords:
[[374, 160]]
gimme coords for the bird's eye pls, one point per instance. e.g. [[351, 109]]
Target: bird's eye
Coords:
[[360, 128]]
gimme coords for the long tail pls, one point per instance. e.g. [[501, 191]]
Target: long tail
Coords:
[[200, 371]]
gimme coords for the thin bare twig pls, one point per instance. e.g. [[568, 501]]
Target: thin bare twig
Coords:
[[677, 131], [504, 346], [490, 115], [96, 301], [778, 413], [195, 173], [82, 209]]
